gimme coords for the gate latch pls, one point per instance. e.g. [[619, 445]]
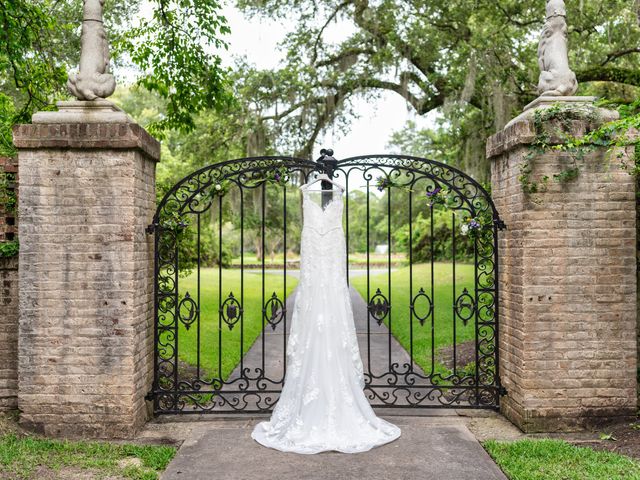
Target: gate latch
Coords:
[[151, 228]]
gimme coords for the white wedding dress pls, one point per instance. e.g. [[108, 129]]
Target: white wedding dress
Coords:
[[322, 405]]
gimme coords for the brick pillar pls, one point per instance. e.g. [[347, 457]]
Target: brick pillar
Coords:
[[567, 281], [87, 192], [8, 288]]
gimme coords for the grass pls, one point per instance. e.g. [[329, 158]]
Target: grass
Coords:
[[26, 457], [559, 460], [401, 324], [443, 308], [355, 259], [216, 362]]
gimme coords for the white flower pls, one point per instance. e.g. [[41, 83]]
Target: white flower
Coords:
[[464, 229], [218, 186]]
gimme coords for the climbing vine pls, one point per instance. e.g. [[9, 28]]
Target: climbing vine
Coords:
[[9, 202], [553, 132], [9, 249], [8, 198]]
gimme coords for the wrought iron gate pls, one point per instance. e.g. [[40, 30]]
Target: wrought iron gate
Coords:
[[422, 252]]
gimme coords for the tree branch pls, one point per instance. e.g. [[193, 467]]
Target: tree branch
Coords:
[[512, 20], [333, 15], [421, 105], [610, 74], [620, 53], [345, 54]]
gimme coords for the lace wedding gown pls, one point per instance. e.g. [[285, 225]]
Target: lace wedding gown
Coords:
[[322, 405]]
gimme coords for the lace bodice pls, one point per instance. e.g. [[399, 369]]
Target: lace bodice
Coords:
[[323, 241]]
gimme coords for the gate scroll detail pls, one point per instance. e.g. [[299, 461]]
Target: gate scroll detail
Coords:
[[430, 300]]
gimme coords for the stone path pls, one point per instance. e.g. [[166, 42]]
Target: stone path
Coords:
[[436, 447]]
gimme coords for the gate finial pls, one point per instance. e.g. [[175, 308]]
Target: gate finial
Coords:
[[326, 152]]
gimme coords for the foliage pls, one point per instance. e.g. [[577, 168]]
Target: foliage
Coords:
[[174, 45], [8, 203], [471, 61], [553, 133], [552, 125], [31, 70], [440, 244], [186, 234], [30, 456], [555, 459], [442, 241], [7, 120], [174, 51], [9, 249], [8, 199]]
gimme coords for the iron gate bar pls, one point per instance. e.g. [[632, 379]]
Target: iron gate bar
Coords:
[[453, 296], [193, 196]]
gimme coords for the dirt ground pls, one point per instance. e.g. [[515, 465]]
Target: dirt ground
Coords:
[[465, 354], [623, 438]]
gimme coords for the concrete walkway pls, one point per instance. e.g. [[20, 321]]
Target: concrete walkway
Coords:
[[437, 447], [434, 444]]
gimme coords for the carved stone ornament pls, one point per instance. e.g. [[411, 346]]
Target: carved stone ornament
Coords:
[[556, 78], [93, 81]]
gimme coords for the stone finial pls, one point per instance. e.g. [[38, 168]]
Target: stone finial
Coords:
[[93, 81], [556, 78]]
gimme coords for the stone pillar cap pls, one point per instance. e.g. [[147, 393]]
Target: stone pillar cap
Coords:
[[84, 111], [550, 100]]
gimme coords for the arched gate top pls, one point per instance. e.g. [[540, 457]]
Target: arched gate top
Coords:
[[252, 171]]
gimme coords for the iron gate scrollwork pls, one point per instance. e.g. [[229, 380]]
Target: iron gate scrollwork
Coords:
[[422, 251]]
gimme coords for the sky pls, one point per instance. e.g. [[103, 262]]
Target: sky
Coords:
[[258, 41]]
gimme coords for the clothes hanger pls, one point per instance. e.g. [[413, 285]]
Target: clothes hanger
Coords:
[[323, 177]]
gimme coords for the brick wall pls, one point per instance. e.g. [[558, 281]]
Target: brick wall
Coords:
[[86, 336], [8, 299], [568, 350]]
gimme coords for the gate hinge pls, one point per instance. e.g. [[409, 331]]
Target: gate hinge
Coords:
[[500, 224], [151, 228], [502, 391], [150, 396]]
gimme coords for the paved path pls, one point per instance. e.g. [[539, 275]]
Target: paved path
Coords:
[[438, 448]]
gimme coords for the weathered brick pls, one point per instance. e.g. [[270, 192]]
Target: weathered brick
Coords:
[[568, 287], [86, 270]]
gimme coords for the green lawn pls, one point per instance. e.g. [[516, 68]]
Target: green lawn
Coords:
[[443, 308], [355, 259], [558, 460], [211, 336], [31, 457], [401, 325]]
